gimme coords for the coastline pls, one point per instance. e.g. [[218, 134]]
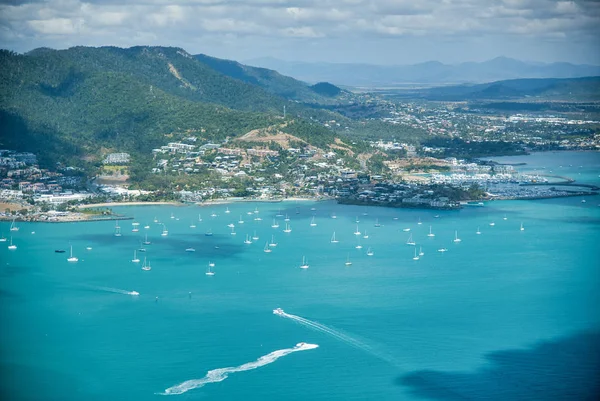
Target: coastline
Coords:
[[109, 204]]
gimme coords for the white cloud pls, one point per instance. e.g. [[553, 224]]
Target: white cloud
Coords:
[[263, 23]]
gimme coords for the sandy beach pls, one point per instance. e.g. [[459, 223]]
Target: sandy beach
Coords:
[[111, 204]]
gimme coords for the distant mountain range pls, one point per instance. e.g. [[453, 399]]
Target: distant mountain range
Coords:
[[433, 72], [526, 89]]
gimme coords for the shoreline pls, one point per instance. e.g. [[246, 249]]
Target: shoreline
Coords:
[[109, 204]]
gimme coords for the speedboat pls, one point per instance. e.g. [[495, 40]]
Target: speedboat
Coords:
[[134, 293], [299, 345], [190, 250], [279, 312]]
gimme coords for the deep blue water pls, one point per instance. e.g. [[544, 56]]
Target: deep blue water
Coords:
[[504, 315]]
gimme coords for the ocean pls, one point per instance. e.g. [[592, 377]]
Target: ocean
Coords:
[[507, 314]]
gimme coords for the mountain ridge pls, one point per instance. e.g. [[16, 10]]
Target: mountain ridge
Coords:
[[429, 72]]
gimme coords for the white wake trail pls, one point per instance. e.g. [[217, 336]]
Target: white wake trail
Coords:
[[218, 375], [340, 336], [109, 289]]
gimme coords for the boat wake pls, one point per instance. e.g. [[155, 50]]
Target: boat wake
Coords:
[[218, 375], [109, 289], [338, 335]]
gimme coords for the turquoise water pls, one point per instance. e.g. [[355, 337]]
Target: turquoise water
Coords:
[[507, 314]]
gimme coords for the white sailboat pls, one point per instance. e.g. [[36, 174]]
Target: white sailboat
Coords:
[[192, 224], [240, 221], [421, 253], [410, 240], [279, 213], [255, 236], [357, 220], [213, 214], [255, 210], [442, 250], [275, 224], [232, 231], [199, 217], [431, 234], [287, 229], [505, 218], [522, 228], [147, 227], [257, 219], [227, 210], [369, 252], [164, 232], [406, 230], [358, 246], [135, 258], [478, 232], [145, 266], [333, 239], [209, 272], [333, 216], [12, 247], [13, 226], [287, 218], [312, 222], [72, 258], [456, 239], [304, 265], [190, 249], [155, 219], [272, 243], [117, 229], [366, 235], [419, 222], [135, 228], [357, 232], [3, 238], [416, 257], [247, 240], [348, 263], [146, 242], [377, 223], [267, 249]]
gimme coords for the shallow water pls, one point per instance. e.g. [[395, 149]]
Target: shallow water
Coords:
[[507, 314]]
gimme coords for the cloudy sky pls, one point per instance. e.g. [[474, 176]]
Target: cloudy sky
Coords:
[[367, 31]]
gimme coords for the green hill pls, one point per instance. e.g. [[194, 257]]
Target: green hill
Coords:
[[68, 104], [580, 89], [275, 83]]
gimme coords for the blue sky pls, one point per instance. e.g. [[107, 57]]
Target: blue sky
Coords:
[[364, 31]]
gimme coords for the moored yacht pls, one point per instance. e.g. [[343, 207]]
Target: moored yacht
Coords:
[[431, 234], [267, 249], [456, 239], [477, 232], [333, 239], [209, 272], [145, 266], [410, 240], [12, 246], [255, 236], [304, 265], [287, 229], [247, 240], [272, 243], [369, 252], [348, 263], [135, 258], [72, 258], [312, 222], [522, 228]]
